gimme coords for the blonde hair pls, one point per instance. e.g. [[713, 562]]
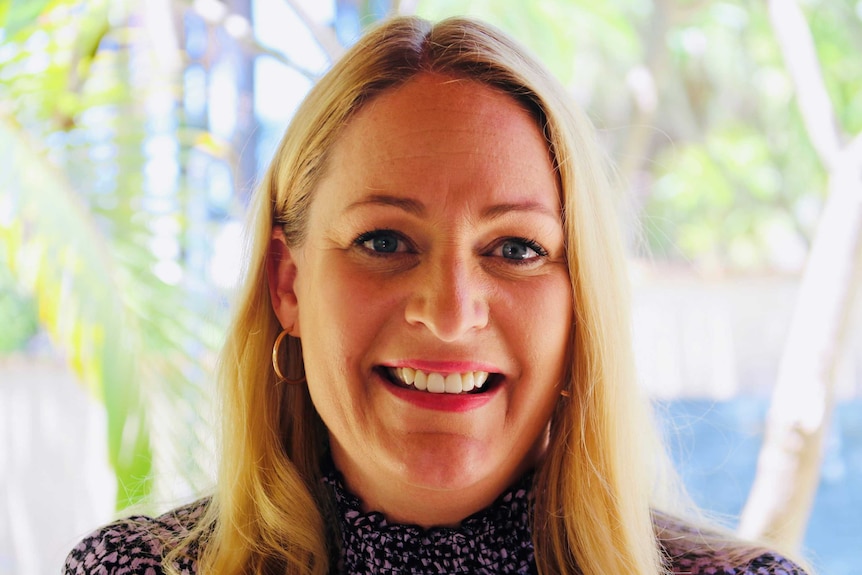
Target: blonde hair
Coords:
[[593, 489]]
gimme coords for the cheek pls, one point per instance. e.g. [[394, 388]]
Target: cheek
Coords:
[[541, 315], [343, 309]]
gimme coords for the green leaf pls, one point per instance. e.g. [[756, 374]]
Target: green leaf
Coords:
[[59, 249], [19, 15]]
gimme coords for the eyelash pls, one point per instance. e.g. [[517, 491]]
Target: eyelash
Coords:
[[376, 233], [364, 237], [532, 244]]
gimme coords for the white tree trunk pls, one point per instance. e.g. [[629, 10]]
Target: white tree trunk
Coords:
[[788, 467], [780, 500]]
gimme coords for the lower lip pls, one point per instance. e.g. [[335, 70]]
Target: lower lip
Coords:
[[441, 401]]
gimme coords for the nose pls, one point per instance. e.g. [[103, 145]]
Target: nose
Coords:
[[449, 299]]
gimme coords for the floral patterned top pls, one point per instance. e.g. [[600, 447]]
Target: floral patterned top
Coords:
[[495, 540]]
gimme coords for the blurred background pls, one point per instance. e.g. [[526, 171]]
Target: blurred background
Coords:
[[132, 133]]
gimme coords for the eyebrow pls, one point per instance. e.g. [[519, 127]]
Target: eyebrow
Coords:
[[497, 210], [417, 208]]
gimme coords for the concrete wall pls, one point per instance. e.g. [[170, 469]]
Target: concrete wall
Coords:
[[724, 337], [55, 482]]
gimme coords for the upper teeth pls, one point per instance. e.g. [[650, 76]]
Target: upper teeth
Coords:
[[438, 382]]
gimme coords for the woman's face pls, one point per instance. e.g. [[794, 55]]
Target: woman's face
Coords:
[[432, 296]]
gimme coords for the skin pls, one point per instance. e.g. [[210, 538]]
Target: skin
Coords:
[[434, 241]]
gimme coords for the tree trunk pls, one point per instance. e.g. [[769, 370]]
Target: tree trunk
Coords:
[[781, 498], [788, 466]]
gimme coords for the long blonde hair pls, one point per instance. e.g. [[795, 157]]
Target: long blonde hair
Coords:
[[594, 487]]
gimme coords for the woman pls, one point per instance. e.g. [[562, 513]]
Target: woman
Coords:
[[429, 370]]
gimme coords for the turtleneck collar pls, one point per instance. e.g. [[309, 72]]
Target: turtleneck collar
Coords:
[[495, 540]]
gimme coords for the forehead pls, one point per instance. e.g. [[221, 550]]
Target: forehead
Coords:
[[432, 103], [433, 100], [443, 128]]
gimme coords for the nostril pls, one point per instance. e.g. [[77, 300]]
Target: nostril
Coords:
[[448, 320]]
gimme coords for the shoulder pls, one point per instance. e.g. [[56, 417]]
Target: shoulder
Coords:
[[693, 551], [135, 545], [722, 562]]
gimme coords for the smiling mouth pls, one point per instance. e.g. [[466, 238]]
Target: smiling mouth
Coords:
[[472, 382]]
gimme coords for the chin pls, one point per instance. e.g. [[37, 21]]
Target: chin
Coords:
[[449, 465]]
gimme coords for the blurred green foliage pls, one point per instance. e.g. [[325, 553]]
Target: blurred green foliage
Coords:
[[78, 225], [836, 28], [17, 312]]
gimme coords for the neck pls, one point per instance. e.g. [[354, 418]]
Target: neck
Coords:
[[408, 503]]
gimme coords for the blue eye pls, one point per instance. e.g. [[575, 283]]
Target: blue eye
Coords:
[[381, 242], [520, 249]]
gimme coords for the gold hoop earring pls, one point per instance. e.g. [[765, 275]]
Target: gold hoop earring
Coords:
[[276, 368]]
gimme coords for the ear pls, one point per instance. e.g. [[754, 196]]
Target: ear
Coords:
[[281, 275]]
